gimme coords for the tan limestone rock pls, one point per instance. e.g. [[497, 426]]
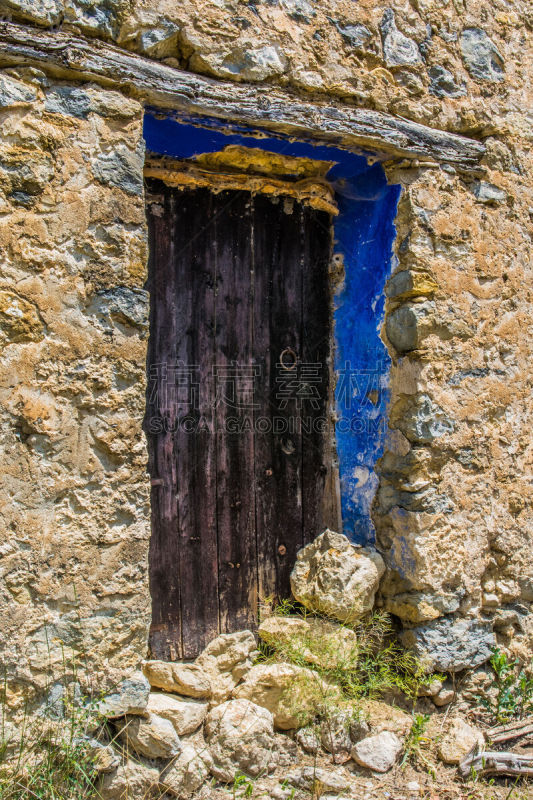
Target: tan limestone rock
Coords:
[[19, 319], [186, 773], [382, 717], [335, 578], [104, 758], [129, 697], [184, 713], [444, 696], [174, 676], [309, 739], [150, 736], [338, 731], [430, 689], [459, 739], [130, 780], [378, 752], [290, 692], [226, 660], [329, 780], [320, 641], [240, 736]]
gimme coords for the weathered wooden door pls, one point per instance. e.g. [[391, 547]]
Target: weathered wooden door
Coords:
[[237, 416]]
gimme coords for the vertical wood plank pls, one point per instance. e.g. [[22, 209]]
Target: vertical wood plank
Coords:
[[319, 475], [194, 307], [234, 414], [164, 552], [278, 452]]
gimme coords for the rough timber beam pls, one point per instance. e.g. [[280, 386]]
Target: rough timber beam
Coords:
[[75, 58]]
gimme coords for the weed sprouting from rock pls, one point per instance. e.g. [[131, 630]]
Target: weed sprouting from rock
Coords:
[[415, 744], [47, 758], [513, 681], [349, 662]]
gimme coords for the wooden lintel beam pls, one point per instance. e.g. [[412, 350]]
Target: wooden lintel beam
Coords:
[[64, 55]]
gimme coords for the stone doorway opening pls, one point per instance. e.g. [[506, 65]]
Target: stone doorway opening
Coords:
[[253, 269]]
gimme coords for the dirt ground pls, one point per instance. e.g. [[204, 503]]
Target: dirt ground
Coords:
[[415, 780], [396, 785]]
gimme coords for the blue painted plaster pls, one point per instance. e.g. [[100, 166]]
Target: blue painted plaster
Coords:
[[363, 232]]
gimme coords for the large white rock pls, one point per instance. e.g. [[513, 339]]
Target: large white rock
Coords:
[[226, 660], [458, 740], [184, 713], [128, 781], [378, 752], [290, 692], [335, 578], [241, 739], [151, 736], [187, 772], [174, 676], [129, 697], [320, 641]]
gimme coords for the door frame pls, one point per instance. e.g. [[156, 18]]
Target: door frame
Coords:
[[362, 262]]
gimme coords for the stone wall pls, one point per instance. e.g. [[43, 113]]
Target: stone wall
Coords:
[[454, 506], [453, 512], [73, 327]]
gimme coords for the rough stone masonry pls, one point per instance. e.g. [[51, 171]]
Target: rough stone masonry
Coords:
[[453, 510]]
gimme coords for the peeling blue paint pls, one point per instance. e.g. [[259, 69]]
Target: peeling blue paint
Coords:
[[363, 232]]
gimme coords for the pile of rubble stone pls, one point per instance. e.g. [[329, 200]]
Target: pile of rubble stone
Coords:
[[181, 724]]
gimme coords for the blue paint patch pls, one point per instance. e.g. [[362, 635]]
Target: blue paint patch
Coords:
[[364, 232]]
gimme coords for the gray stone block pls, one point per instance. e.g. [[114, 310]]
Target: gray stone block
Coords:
[[123, 305], [451, 645], [43, 12], [299, 10], [357, 36], [13, 92], [442, 83], [69, 100], [160, 41], [422, 421], [408, 325], [481, 56], [398, 49], [489, 194], [102, 18], [121, 168]]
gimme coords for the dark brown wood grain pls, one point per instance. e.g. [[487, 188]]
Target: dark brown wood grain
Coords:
[[240, 309], [234, 413], [195, 264], [277, 328], [164, 555]]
